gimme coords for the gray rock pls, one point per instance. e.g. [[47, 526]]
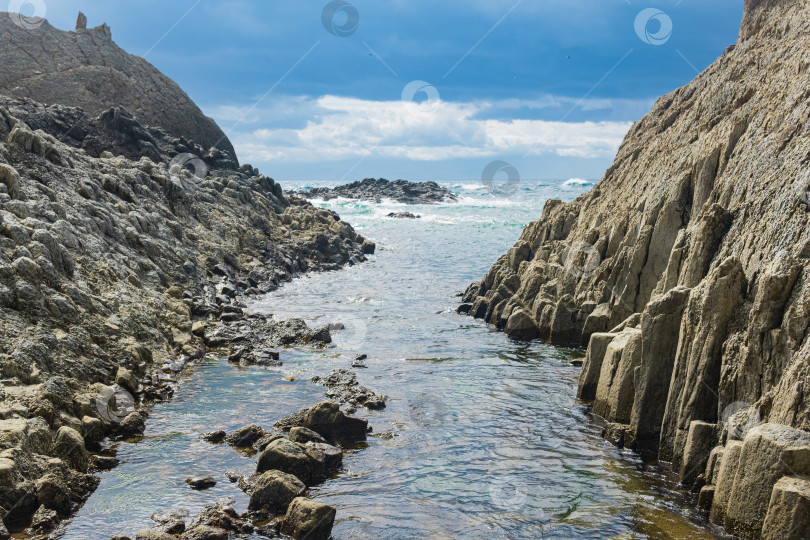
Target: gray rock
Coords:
[[274, 491], [245, 436], [303, 435], [204, 532], [69, 447], [372, 189], [153, 534], [214, 436], [201, 482], [308, 519], [288, 457]]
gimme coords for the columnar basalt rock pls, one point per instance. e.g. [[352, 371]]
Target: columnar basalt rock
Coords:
[[701, 228]]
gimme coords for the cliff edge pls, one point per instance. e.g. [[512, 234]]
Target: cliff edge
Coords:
[[685, 271], [86, 69]]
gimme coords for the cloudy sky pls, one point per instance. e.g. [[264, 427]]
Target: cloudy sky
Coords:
[[420, 89]]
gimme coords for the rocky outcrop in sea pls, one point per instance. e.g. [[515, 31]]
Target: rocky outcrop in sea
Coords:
[[377, 190], [120, 266], [685, 273]]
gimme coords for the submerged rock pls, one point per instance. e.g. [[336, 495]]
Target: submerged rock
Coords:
[[201, 482]]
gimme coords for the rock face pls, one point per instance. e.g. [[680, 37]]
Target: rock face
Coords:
[[372, 189], [118, 267], [86, 69], [685, 271]]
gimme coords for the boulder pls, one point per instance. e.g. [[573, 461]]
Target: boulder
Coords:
[[788, 516], [126, 380], [69, 447], [332, 456], [328, 420], [273, 492], [288, 457], [92, 431], [769, 452], [214, 437], [245, 436], [308, 519], [132, 425], [304, 435], [200, 483]]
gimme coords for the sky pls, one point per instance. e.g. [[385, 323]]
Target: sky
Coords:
[[420, 90]]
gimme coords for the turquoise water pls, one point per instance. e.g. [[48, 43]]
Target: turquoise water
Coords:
[[481, 438]]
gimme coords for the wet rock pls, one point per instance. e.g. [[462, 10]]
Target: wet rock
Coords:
[[245, 436], [308, 519], [343, 387], [214, 436], [592, 368], [201, 482], [274, 491], [328, 420], [288, 457], [132, 425], [331, 456], [788, 515], [303, 435], [104, 463], [403, 215], [44, 520], [126, 380], [175, 527], [705, 498]]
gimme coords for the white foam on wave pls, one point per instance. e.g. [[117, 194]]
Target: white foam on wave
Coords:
[[577, 182]]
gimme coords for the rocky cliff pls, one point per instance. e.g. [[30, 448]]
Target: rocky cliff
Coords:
[[118, 266], [685, 271], [86, 69]]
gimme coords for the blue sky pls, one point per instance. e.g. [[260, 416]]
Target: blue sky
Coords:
[[550, 86]]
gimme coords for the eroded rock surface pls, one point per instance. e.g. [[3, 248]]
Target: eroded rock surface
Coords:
[[373, 189], [685, 271]]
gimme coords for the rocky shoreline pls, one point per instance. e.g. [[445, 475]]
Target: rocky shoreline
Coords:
[[377, 190], [684, 272], [113, 270]]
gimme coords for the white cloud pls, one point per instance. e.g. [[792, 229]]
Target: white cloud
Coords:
[[332, 128]]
